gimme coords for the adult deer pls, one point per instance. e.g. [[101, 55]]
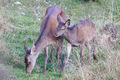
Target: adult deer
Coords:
[[79, 34], [48, 28]]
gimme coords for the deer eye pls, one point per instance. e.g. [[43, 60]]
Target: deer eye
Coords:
[[29, 62], [25, 60]]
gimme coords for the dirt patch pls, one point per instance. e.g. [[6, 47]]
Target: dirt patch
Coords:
[[5, 72]]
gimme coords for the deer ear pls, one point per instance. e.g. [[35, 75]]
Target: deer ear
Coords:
[[33, 49], [25, 47], [67, 23], [58, 19]]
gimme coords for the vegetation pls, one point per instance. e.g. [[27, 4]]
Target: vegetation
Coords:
[[20, 22]]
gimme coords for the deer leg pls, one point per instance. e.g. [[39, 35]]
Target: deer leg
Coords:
[[57, 55], [67, 55], [51, 54], [61, 41], [81, 54], [89, 51], [45, 59], [94, 53]]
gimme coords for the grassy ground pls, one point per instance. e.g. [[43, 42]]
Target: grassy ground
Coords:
[[20, 21]]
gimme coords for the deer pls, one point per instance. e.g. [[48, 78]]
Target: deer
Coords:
[[46, 37], [80, 34]]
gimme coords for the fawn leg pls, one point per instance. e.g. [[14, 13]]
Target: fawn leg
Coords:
[[94, 47], [81, 53], [89, 51], [67, 55]]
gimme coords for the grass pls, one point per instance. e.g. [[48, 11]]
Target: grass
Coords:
[[20, 23]]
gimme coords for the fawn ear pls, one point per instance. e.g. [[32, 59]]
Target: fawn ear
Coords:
[[67, 23], [25, 47], [33, 49]]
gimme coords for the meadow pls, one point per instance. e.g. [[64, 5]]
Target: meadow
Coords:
[[20, 22]]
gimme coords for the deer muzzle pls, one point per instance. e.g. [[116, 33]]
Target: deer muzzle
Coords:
[[55, 35]]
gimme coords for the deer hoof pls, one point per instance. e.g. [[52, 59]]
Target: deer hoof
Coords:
[[44, 72]]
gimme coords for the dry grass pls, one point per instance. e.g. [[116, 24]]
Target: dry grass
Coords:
[[107, 67]]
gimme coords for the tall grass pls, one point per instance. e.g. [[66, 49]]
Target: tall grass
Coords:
[[21, 23]]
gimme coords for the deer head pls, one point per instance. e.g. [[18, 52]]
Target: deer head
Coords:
[[61, 28], [29, 58]]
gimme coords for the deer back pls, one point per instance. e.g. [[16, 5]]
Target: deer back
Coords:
[[86, 30], [49, 23]]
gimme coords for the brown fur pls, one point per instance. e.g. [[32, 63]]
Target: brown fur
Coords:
[[48, 28], [79, 34]]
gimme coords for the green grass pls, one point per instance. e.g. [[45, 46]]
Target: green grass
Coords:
[[19, 28]]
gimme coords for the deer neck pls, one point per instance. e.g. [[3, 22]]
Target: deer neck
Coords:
[[67, 34], [40, 45], [70, 35]]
